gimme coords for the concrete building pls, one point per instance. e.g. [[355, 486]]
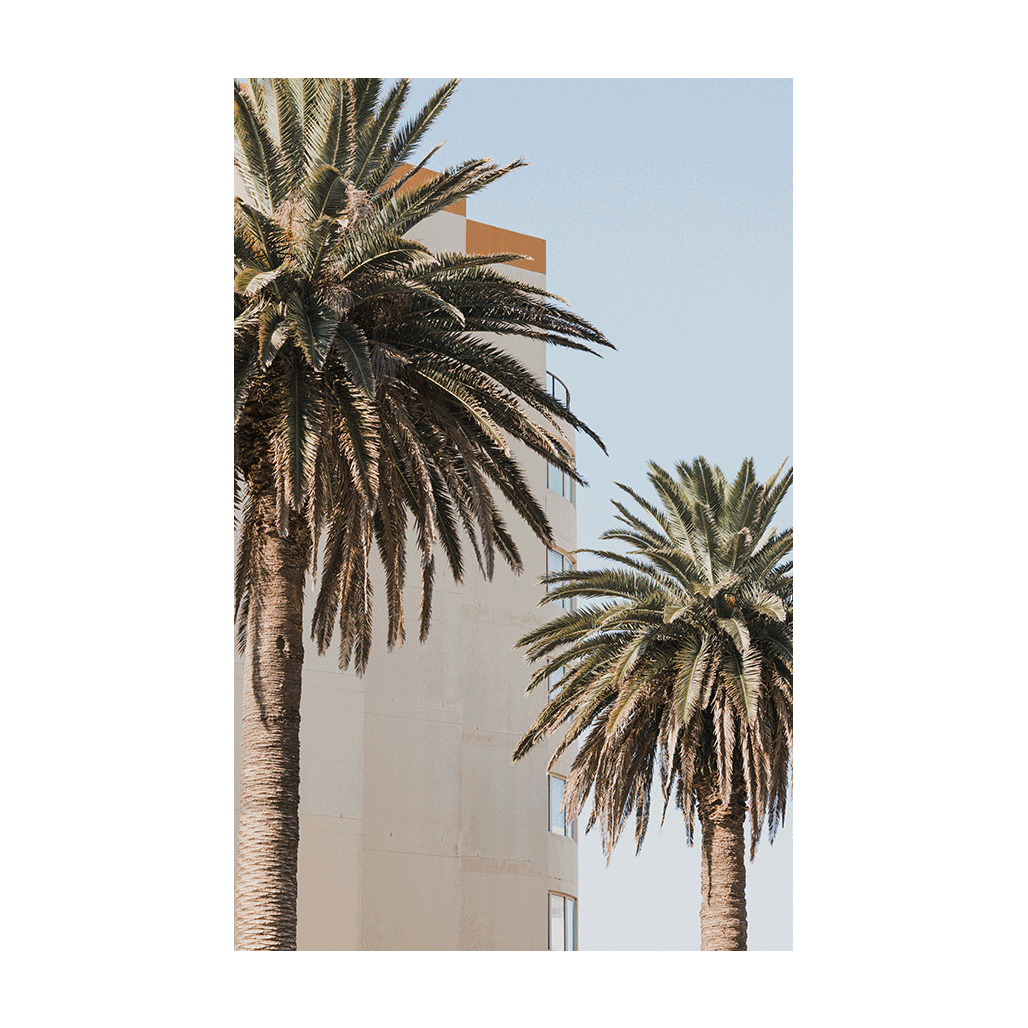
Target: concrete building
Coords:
[[416, 830]]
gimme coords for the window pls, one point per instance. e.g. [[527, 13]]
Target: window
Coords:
[[557, 563], [560, 823], [563, 929], [560, 482]]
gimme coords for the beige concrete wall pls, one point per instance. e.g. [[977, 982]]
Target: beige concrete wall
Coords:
[[417, 831]]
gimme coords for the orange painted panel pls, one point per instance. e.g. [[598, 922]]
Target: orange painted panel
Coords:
[[490, 239]]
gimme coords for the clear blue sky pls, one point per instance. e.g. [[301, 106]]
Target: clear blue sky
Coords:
[[666, 205]]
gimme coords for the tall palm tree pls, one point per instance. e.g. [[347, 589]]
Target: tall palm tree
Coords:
[[682, 663], [366, 403]]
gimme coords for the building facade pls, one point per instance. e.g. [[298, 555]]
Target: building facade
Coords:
[[417, 832]]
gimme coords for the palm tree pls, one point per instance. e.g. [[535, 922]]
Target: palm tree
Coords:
[[366, 402], [683, 662]]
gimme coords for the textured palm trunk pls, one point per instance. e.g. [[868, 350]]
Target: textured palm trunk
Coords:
[[723, 874], [269, 826]]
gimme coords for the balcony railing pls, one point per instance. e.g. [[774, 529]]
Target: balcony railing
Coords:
[[556, 388]]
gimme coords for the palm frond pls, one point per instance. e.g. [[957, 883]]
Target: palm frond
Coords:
[[405, 141], [258, 158], [374, 138], [260, 241], [365, 98], [288, 95], [313, 327]]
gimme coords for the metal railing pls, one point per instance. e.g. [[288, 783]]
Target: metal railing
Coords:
[[556, 388]]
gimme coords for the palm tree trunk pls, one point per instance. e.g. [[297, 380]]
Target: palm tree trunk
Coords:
[[723, 874], [269, 826]]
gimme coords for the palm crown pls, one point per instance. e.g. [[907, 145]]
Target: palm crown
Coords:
[[684, 660], [364, 391]]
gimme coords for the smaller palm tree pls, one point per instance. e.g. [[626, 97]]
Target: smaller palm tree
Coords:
[[683, 664]]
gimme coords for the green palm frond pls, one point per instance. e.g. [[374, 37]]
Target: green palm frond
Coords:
[[269, 285], [405, 141], [326, 194], [375, 137], [319, 99], [295, 432], [399, 213], [365, 98], [367, 259], [492, 301], [272, 334], [341, 140], [260, 240], [258, 157], [257, 97], [313, 328], [352, 347], [288, 94]]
